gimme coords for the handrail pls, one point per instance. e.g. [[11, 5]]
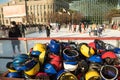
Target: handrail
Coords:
[[64, 38]]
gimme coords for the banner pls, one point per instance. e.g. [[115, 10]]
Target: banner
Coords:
[[14, 11]]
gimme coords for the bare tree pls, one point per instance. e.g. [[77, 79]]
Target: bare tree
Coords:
[[112, 13]]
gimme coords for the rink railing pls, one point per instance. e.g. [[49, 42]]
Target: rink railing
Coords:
[[6, 54], [46, 40]]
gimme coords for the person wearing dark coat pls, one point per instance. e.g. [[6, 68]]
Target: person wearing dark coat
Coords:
[[22, 28], [48, 27], [14, 32]]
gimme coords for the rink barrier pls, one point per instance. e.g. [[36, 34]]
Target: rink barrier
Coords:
[[117, 39]]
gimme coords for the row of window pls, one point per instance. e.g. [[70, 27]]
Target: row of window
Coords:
[[33, 7], [37, 20], [39, 11]]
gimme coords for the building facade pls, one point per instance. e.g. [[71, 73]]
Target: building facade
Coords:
[[30, 11], [94, 10]]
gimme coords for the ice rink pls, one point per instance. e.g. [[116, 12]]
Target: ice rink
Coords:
[[64, 32]]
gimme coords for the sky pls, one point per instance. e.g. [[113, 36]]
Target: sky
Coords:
[[3, 1]]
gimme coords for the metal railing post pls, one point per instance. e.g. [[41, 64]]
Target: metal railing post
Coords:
[[117, 43], [26, 46]]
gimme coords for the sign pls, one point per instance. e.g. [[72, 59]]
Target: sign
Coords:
[[14, 11]]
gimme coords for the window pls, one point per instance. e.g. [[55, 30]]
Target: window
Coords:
[[38, 20], [51, 6], [37, 14], [48, 6], [45, 20], [41, 19], [45, 13], [7, 21]]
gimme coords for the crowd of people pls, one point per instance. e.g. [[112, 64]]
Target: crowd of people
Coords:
[[91, 29], [18, 29], [24, 28]]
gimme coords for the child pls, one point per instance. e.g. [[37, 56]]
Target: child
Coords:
[[89, 30]]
